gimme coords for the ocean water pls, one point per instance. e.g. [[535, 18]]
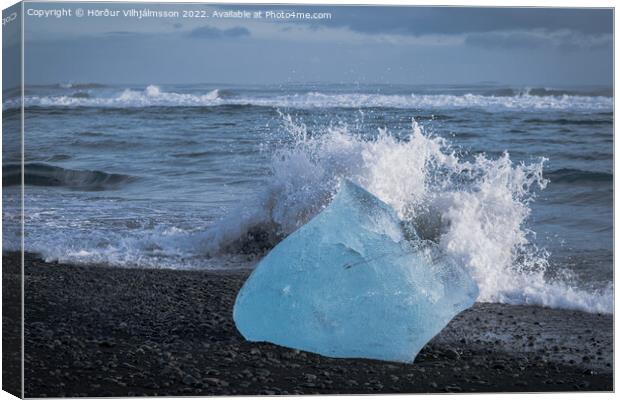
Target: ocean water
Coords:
[[515, 183]]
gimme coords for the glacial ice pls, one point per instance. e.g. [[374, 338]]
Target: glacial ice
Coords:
[[353, 282]]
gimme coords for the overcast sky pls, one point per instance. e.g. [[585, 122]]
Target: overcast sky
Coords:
[[413, 45]]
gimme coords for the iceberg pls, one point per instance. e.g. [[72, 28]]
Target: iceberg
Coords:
[[354, 282]]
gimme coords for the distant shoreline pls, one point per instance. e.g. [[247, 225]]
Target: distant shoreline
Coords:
[[117, 331]]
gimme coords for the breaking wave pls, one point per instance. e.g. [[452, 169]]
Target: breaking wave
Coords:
[[40, 174], [153, 96], [542, 91], [476, 210]]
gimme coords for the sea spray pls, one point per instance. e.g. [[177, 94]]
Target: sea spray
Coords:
[[476, 208]]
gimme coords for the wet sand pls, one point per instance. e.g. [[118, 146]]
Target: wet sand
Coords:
[[102, 331]]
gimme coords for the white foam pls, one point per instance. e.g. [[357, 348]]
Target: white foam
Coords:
[[154, 96], [151, 96], [476, 210]]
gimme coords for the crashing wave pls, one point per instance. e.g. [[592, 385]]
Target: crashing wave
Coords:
[[476, 211]]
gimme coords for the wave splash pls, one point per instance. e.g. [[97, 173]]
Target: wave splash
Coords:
[[151, 96], [476, 210], [154, 96]]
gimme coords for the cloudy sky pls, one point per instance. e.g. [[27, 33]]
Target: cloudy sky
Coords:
[[416, 45]]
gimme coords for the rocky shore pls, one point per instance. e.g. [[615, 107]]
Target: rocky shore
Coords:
[[102, 331]]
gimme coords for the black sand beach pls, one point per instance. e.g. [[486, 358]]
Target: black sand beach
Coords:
[[101, 331]]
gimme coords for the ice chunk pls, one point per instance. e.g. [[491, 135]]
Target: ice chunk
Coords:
[[349, 284]]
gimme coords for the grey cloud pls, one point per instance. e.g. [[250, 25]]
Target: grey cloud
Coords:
[[460, 20], [209, 32], [536, 39], [122, 33]]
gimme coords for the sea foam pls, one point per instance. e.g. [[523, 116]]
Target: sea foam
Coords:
[[153, 96]]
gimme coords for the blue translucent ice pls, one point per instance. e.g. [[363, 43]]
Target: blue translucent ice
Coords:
[[348, 284]]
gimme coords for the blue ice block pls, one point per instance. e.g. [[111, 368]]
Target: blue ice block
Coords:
[[352, 283]]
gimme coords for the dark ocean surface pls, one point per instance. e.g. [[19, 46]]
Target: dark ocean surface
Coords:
[[516, 183]]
